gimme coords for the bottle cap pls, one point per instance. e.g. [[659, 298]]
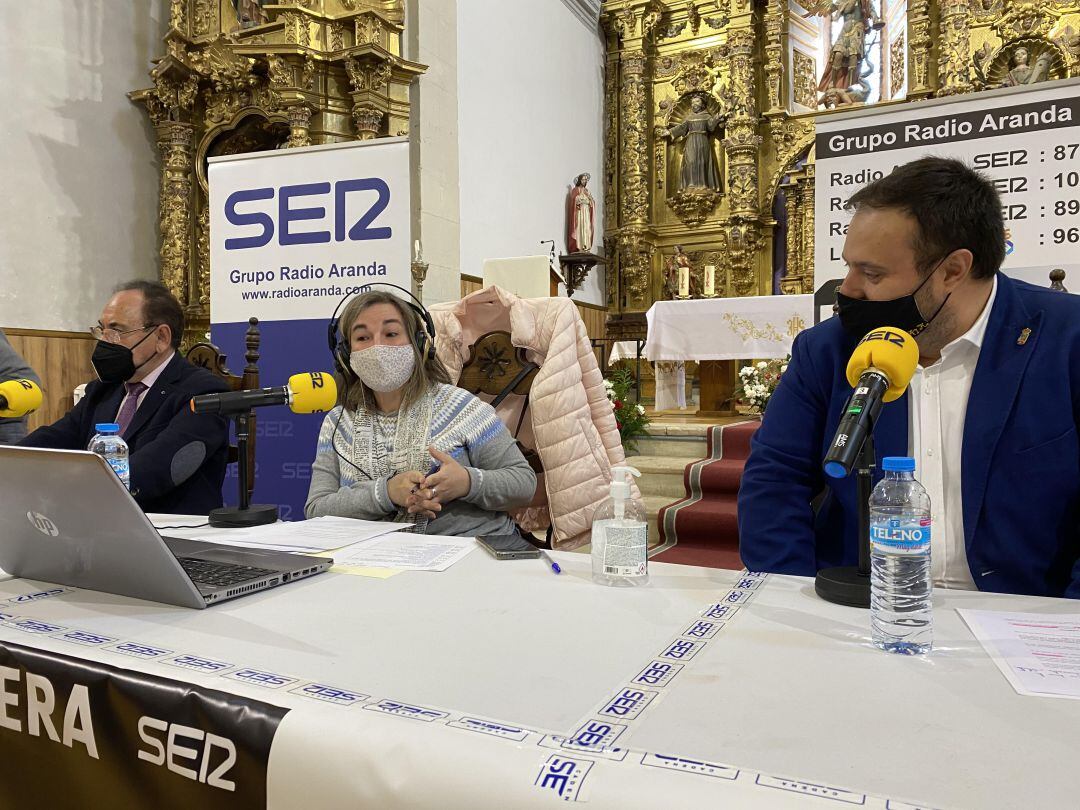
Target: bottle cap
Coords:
[[898, 464], [107, 427]]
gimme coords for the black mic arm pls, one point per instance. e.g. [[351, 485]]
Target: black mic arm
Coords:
[[857, 423], [234, 402]]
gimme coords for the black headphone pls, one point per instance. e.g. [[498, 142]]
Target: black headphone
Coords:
[[424, 338]]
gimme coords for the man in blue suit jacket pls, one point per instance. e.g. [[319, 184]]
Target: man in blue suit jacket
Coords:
[[177, 457], [991, 415]]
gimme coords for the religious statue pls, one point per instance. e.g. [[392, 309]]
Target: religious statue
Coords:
[[580, 209], [250, 12], [699, 168], [679, 281], [844, 79], [1021, 73]]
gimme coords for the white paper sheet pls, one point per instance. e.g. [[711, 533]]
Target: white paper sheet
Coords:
[[1039, 653], [407, 552], [317, 534]]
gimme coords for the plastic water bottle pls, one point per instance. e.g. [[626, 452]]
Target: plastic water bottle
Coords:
[[901, 620], [108, 444]]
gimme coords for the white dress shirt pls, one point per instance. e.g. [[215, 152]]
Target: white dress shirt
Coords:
[[938, 409], [149, 381]]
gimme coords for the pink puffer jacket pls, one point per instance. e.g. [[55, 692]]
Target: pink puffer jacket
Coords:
[[572, 426]]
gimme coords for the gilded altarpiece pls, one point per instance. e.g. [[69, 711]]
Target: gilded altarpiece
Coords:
[[752, 65], [248, 75]]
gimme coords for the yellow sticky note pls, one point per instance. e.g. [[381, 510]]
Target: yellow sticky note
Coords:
[[360, 571]]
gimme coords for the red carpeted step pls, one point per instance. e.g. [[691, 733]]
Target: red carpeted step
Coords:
[[702, 528]]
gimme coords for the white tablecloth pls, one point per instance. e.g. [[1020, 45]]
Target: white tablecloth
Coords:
[[622, 350], [760, 327], [767, 697]]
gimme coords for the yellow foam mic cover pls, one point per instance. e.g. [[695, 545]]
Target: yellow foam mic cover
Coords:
[[22, 397], [312, 392], [891, 351]]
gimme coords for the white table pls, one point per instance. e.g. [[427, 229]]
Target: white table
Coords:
[[787, 703], [711, 329]]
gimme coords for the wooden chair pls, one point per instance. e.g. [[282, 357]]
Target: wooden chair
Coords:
[[498, 368], [213, 359]]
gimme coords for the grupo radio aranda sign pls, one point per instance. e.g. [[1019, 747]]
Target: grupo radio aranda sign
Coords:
[[292, 233]]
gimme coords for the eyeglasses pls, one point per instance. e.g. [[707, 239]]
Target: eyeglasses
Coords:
[[113, 336]]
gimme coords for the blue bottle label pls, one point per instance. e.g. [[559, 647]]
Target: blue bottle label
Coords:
[[120, 466], [897, 536]]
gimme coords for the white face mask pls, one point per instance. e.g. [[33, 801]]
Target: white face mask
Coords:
[[384, 368]]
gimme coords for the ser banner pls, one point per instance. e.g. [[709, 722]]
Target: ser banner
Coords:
[[1026, 141], [293, 232], [76, 733]]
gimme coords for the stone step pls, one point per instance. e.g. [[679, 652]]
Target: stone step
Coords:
[[660, 475], [687, 447]]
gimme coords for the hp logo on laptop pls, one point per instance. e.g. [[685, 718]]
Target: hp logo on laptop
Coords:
[[42, 524]]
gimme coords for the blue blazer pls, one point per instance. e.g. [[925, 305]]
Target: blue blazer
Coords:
[[1020, 462], [177, 457]]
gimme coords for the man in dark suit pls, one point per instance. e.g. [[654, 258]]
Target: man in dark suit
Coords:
[[177, 457], [990, 416]]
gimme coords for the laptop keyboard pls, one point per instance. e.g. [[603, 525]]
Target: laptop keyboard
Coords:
[[204, 572]]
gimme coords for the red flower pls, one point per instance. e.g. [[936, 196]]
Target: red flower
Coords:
[[618, 424], [618, 404]]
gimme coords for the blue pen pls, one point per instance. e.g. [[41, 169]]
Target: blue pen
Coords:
[[554, 565]]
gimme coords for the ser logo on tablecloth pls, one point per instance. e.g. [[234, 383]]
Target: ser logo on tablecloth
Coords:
[[330, 694], [563, 776], [658, 673]]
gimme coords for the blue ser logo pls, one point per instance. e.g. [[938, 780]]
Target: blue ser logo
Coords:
[[287, 215], [563, 776]]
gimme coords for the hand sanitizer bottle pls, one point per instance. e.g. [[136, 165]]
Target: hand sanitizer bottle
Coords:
[[619, 533]]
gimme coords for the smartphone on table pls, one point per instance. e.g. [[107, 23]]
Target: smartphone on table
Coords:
[[508, 546]]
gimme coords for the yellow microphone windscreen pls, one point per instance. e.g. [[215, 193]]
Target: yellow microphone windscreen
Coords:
[[22, 397], [891, 351], [312, 392]]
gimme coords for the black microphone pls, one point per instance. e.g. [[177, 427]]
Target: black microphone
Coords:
[[309, 392], [231, 402], [860, 416], [880, 369]]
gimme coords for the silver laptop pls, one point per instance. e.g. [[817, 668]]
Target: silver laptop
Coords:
[[68, 519]]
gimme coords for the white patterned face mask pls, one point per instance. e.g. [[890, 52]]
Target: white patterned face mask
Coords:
[[384, 368]]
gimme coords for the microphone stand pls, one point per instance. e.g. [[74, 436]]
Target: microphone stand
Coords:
[[246, 514], [850, 584]]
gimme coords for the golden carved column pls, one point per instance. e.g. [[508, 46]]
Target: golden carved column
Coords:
[[806, 227], [954, 57], [636, 24], [741, 144], [919, 47], [774, 57], [175, 142], [794, 237]]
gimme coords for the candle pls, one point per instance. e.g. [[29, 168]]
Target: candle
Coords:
[[684, 282], [710, 280], [417, 247]]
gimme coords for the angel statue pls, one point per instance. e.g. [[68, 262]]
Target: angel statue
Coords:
[[698, 160], [844, 67]]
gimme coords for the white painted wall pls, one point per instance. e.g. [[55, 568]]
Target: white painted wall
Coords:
[[78, 160], [431, 39], [530, 118]]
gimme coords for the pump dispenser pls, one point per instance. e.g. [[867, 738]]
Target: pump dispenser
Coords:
[[619, 535]]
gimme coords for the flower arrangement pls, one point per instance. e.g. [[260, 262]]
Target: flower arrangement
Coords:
[[629, 418], [758, 382]]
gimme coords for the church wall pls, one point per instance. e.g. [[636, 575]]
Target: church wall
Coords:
[[530, 117], [431, 38], [79, 209]]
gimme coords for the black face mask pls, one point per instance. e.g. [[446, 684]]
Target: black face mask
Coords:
[[115, 363], [860, 317]]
